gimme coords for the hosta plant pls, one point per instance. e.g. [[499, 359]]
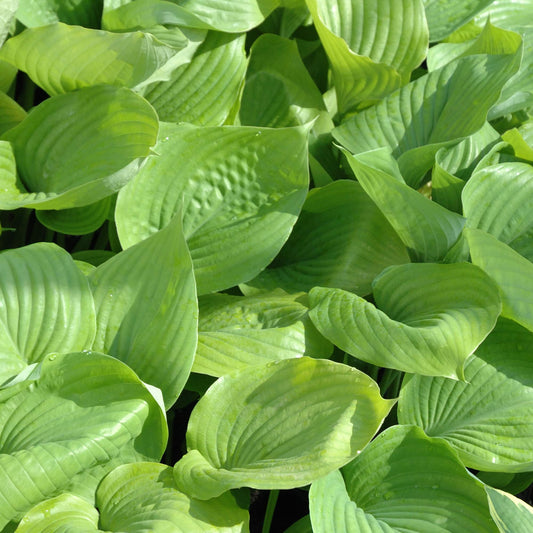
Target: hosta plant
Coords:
[[266, 266]]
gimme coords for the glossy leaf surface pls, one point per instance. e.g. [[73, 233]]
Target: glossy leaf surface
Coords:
[[488, 419], [241, 189], [412, 328], [280, 425]]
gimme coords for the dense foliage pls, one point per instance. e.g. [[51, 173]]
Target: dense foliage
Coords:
[[262, 249]]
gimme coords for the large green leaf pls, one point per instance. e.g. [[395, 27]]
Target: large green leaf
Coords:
[[511, 514], [499, 200], [341, 239], [78, 413], [76, 148], [402, 482], [61, 58], [235, 331], [242, 189], [146, 309], [427, 229], [280, 425], [203, 90], [136, 498], [143, 496], [45, 306], [433, 111], [279, 90], [512, 272], [372, 47], [34, 13], [488, 419], [414, 327]]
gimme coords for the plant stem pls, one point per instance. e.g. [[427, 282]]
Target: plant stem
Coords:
[[269, 513]]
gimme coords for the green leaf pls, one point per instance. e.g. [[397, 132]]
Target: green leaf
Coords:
[[491, 40], [318, 253], [45, 306], [521, 147], [279, 90], [43, 12], [203, 90], [403, 482], [427, 229], [511, 514], [7, 14], [11, 113], [517, 16], [61, 58], [488, 419], [280, 425], [512, 272], [146, 309], [445, 16], [242, 189], [83, 411], [144, 497], [78, 220], [332, 510], [230, 17], [143, 14], [456, 163], [76, 148], [499, 200], [66, 513], [433, 111], [414, 327], [372, 48], [235, 332]]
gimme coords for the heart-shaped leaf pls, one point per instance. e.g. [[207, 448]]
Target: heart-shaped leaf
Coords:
[[241, 188], [76, 148], [81, 411], [280, 425], [146, 309], [61, 58], [488, 419], [403, 481], [414, 327]]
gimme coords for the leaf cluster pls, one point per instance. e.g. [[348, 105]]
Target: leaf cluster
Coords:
[[261, 246]]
